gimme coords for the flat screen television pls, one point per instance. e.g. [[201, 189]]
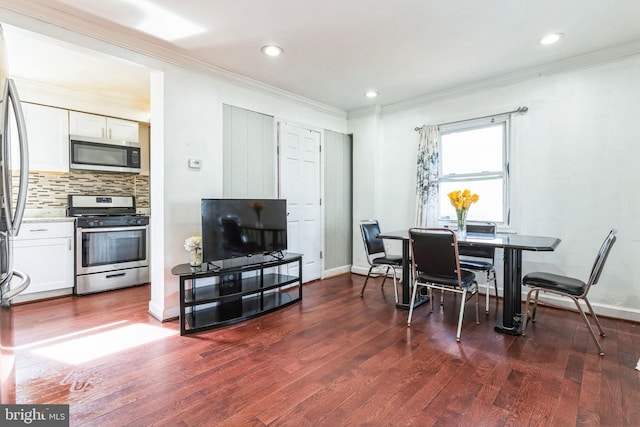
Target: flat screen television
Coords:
[[234, 228]]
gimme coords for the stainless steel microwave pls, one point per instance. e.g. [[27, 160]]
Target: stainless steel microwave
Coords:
[[103, 155]]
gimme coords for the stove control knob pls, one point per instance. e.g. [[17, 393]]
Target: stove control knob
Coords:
[[139, 222], [100, 223], [90, 223]]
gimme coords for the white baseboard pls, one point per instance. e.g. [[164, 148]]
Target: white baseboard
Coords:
[[359, 270], [616, 312], [606, 310], [164, 315], [35, 296], [336, 271]]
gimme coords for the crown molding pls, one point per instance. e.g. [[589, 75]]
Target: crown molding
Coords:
[[577, 62], [107, 32]]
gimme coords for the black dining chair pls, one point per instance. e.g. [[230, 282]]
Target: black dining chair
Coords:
[[436, 265], [377, 255], [565, 286], [481, 258]]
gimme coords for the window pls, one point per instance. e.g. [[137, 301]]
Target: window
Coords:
[[474, 155]]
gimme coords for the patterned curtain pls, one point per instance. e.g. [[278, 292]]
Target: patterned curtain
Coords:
[[427, 178]]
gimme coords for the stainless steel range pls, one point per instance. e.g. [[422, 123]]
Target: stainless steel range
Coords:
[[112, 243]]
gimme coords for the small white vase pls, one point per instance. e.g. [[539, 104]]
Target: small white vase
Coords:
[[195, 258]]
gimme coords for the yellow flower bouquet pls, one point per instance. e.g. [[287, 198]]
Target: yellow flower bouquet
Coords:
[[461, 201]]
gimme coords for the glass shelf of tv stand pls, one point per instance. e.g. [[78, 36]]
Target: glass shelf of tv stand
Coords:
[[196, 295], [235, 296], [233, 265]]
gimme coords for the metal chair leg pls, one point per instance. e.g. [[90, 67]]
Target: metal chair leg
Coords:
[[586, 321], [486, 294], [491, 277], [526, 313], [430, 290], [477, 305], [462, 301], [594, 316], [386, 272], [365, 281], [535, 306], [413, 300], [395, 283], [495, 286]]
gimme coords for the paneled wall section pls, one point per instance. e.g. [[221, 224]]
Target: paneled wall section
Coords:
[[249, 168], [338, 218]]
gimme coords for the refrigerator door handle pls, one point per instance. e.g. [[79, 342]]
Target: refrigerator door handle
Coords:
[[6, 152], [24, 157], [8, 296]]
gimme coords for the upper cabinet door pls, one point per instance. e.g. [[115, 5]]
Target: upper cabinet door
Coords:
[[87, 124], [102, 127], [122, 130], [48, 138]]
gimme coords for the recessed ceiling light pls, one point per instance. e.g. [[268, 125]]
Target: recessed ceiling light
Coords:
[[272, 50], [551, 38], [371, 94]]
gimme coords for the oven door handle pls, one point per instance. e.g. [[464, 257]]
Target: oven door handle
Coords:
[[103, 229]]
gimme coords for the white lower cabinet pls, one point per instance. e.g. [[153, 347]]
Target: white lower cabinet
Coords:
[[45, 251]]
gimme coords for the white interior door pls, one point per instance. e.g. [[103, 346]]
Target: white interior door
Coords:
[[299, 161]]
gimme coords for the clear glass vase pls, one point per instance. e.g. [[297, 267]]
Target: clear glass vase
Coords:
[[461, 232], [195, 259]]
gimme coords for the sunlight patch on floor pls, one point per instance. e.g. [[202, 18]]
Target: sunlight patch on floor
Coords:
[[94, 346]]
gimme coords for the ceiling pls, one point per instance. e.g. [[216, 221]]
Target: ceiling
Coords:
[[336, 50]]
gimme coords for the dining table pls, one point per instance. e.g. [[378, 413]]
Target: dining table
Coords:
[[512, 245]]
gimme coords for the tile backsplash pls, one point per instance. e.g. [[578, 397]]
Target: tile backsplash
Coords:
[[49, 190]]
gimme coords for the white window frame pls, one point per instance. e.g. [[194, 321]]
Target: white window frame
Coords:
[[468, 125]]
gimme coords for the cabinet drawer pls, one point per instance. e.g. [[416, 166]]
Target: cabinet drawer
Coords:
[[45, 230]]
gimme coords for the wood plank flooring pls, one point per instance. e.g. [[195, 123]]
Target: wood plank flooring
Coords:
[[335, 359]]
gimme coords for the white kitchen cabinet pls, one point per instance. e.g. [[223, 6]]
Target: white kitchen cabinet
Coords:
[[87, 124], [96, 126], [122, 130], [45, 251], [48, 137]]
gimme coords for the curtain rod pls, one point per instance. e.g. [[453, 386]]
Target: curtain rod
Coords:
[[521, 110]]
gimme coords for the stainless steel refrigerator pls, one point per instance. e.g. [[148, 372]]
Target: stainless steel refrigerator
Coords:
[[12, 282]]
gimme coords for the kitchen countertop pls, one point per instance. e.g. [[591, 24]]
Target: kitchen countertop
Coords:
[[48, 219], [59, 215]]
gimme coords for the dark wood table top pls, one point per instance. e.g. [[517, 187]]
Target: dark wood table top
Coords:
[[500, 240]]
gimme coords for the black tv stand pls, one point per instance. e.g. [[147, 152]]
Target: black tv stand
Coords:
[[277, 254], [211, 266], [229, 291]]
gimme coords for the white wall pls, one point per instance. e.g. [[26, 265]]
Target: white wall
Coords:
[[365, 132], [186, 122], [193, 128], [575, 158]]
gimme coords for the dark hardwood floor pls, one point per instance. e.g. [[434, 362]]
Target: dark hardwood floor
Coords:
[[333, 359]]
